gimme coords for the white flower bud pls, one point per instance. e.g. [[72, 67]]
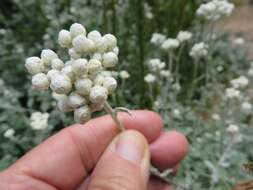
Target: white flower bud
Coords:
[[67, 70], [233, 129], [111, 41], [96, 107], [82, 114], [40, 82], [75, 100], [110, 59], [101, 45], [79, 43], [51, 73], [57, 64], [63, 104], [9, 133], [94, 35], [34, 65], [77, 29], [110, 84], [64, 38], [94, 66], [97, 56], [124, 75], [61, 84], [116, 50], [99, 79], [73, 54], [98, 94], [47, 55], [79, 67], [83, 86]]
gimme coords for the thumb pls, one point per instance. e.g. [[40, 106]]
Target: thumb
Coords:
[[124, 165]]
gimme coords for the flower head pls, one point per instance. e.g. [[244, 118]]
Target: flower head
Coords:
[[149, 78], [39, 121], [215, 9], [80, 81], [170, 44], [199, 50], [184, 36]]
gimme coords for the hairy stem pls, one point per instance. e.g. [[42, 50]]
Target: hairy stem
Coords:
[[154, 171]]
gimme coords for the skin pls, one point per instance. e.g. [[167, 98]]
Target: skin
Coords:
[[91, 157]]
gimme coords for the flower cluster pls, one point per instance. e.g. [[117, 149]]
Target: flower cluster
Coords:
[[39, 121], [82, 80], [199, 50], [215, 9], [170, 44], [240, 82], [233, 129]]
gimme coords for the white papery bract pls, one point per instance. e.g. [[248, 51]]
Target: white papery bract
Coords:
[[199, 50], [81, 82]]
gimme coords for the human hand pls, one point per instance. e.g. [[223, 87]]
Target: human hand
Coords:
[[96, 156]]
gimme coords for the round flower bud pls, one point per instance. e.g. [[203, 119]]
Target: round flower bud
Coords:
[[96, 107], [61, 84], [51, 73], [124, 75], [94, 35], [99, 79], [75, 100], [82, 114], [79, 66], [73, 54], [101, 45], [67, 70], [110, 59], [110, 84], [98, 94], [83, 86], [116, 51], [79, 43], [94, 66], [47, 55], [89, 46], [97, 56], [57, 64], [40, 82], [34, 65], [63, 104], [77, 29], [64, 38], [111, 41]]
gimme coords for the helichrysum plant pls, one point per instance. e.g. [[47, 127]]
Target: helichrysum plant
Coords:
[[82, 83]]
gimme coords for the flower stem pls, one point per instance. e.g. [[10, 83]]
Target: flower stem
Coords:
[[155, 172]]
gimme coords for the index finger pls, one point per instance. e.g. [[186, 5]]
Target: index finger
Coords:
[[65, 159]]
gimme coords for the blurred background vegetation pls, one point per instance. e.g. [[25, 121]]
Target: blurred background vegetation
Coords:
[[26, 27]]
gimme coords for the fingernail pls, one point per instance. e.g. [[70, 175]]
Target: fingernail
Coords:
[[131, 146]]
